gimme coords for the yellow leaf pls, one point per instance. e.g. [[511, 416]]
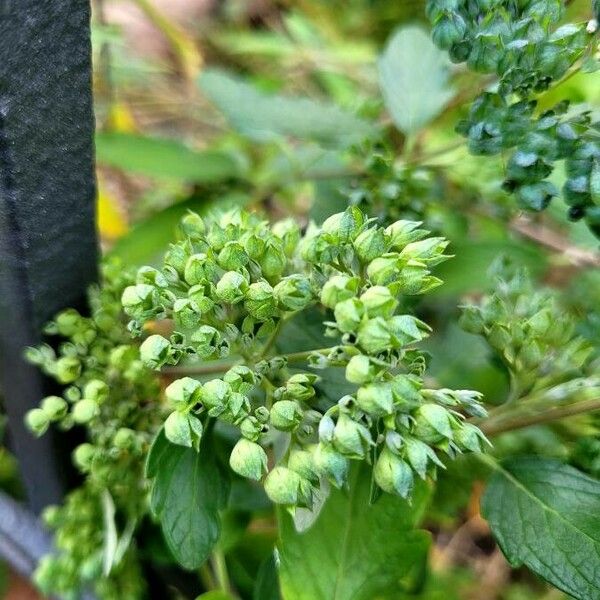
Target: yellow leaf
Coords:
[[111, 220]]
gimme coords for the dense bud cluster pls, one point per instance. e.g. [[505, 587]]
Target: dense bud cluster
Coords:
[[523, 45], [534, 336], [107, 386], [231, 285]]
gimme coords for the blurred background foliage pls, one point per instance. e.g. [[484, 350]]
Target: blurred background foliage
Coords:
[[299, 107]]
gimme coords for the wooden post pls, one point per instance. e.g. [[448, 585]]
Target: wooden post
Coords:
[[48, 244]]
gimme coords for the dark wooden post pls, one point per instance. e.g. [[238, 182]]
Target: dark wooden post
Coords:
[[48, 245]]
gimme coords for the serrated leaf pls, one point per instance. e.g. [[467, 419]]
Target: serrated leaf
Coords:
[[164, 159], [413, 76], [355, 551], [264, 117], [187, 493], [545, 514]]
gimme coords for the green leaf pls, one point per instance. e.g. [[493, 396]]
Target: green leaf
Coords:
[[187, 493], [264, 117], [267, 582], [413, 76], [355, 551], [215, 595], [545, 514], [164, 159]]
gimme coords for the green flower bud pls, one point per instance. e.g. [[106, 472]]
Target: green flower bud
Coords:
[[298, 387], [206, 340], [192, 225], [471, 319], [384, 269], [284, 486], [186, 313], [375, 399], [339, 288], [155, 351], [254, 246], [326, 429], [429, 251], [401, 233], [232, 287], [184, 392], [273, 260], [214, 393], [449, 29], [379, 302], [332, 465], [374, 336], [251, 428], [198, 269], [348, 315], [137, 298], [37, 421], [152, 277], [351, 438], [370, 244], [241, 378], [432, 423], [54, 407], [68, 369], [260, 302], [303, 463], [177, 429], [83, 456], [344, 226], [125, 439], [360, 370], [96, 390], [419, 455], [177, 256], [469, 437], [232, 257], [68, 322], [84, 411], [198, 295], [406, 390], [293, 292], [393, 475], [499, 337], [286, 415], [289, 232], [248, 459]]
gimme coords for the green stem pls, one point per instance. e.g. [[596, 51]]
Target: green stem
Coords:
[[220, 568], [204, 369], [509, 423], [206, 576], [222, 367], [301, 356]]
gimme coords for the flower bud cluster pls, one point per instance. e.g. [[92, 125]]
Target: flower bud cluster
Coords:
[[529, 330], [354, 273], [106, 386], [520, 42], [226, 286]]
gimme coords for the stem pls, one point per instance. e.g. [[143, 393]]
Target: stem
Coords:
[[206, 576], [221, 367], [205, 369], [220, 568], [553, 414], [300, 356]]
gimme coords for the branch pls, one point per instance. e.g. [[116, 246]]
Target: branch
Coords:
[[549, 238], [553, 414]]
